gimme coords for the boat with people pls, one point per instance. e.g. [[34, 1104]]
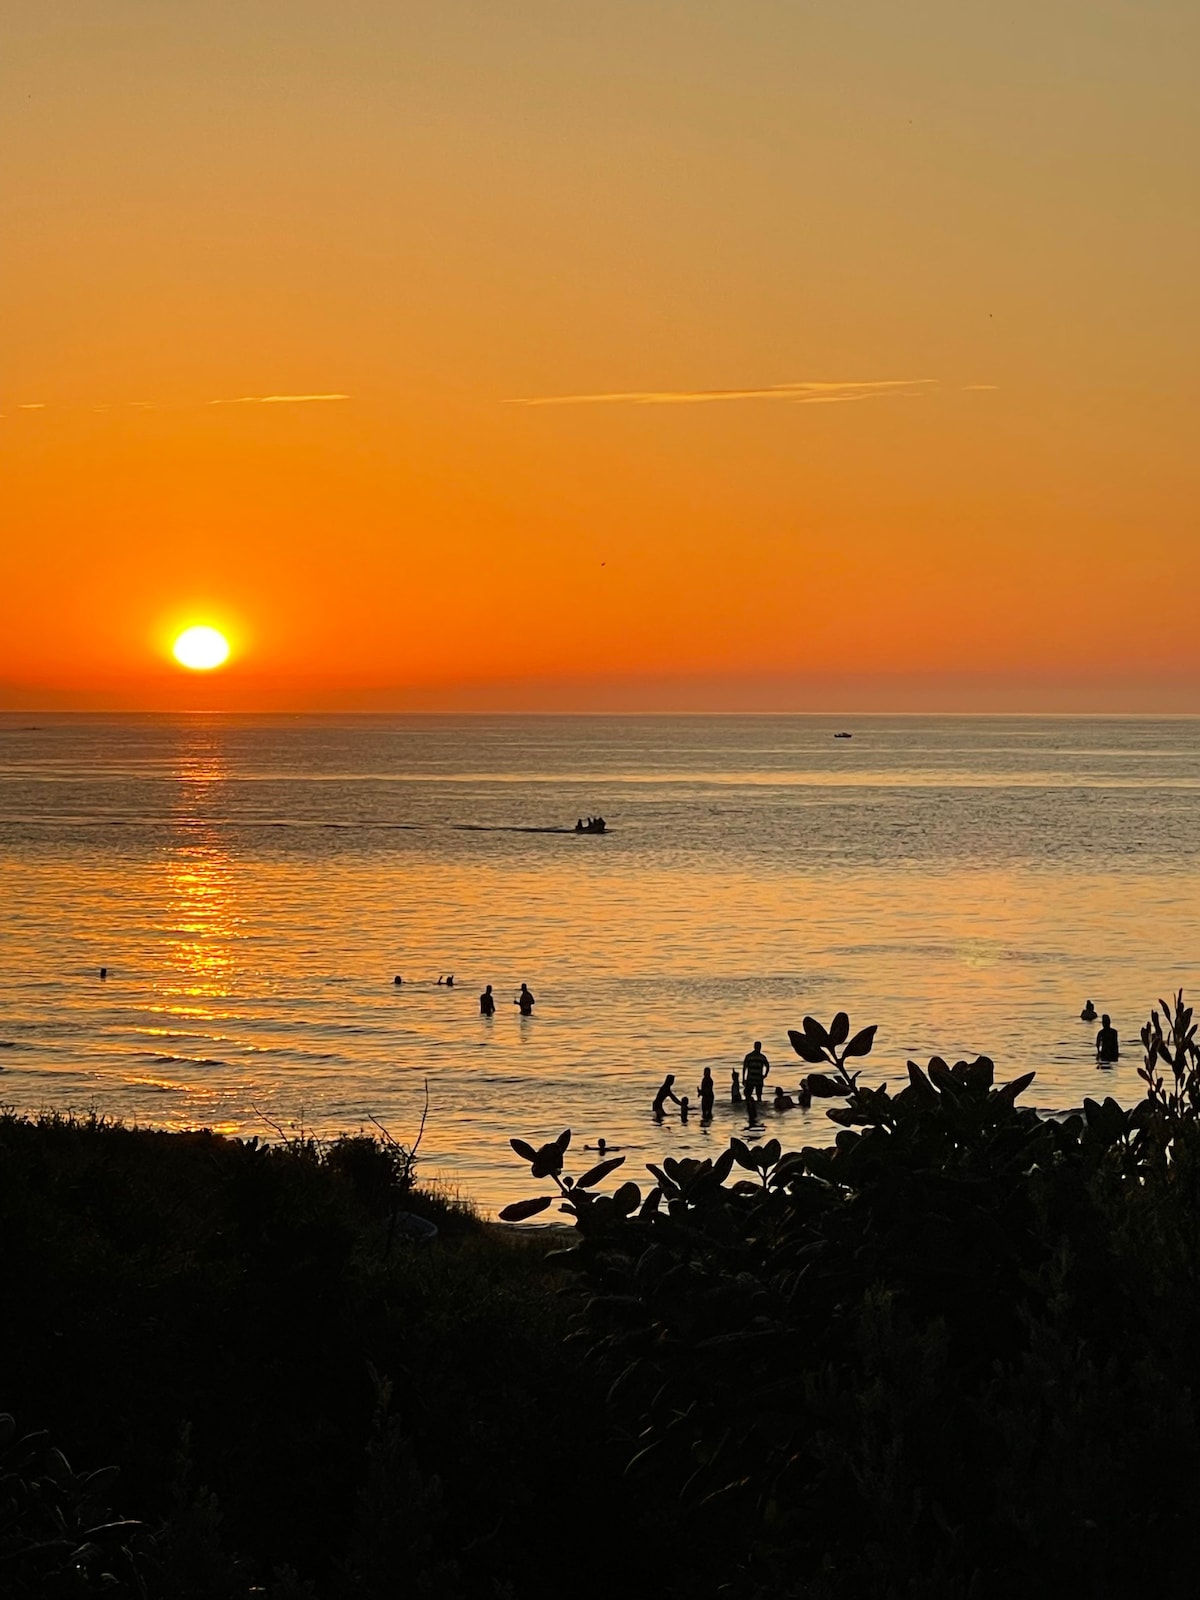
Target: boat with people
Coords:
[[592, 825]]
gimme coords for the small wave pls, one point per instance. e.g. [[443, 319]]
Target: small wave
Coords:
[[189, 1061]]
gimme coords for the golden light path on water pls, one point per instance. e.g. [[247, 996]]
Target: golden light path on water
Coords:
[[253, 890]]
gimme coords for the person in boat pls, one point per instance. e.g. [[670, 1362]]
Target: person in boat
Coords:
[[783, 1102], [755, 1068], [1108, 1047], [706, 1089], [487, 1006], [667, 1092], [1088, 1014], [735, 1089], [525, 1001]]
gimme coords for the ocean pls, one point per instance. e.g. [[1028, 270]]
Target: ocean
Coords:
[[254, 884]]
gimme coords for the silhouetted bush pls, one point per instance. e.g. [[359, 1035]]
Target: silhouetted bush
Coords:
[[302, 1398], [948, 1355], [952, 1354]]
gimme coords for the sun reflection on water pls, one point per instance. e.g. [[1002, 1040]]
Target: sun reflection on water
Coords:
[[203, 925]]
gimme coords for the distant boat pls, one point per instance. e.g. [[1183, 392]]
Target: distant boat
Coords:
[[592, 825], [843, 736]]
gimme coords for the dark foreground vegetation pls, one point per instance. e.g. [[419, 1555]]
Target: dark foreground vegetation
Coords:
[[954, 1354]]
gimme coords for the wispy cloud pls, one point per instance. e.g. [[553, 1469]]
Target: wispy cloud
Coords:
[[277, 399], [808, 393], [31, 405], [972, 388]]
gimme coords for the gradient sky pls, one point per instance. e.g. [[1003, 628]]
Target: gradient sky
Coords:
[[863, 336]]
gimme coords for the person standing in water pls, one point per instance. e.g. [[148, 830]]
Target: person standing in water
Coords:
[[525, 1001], [755, 1068], [1088, 1014], [735, 1089], [1108, 1047], [487, 1005], [708, 1093]]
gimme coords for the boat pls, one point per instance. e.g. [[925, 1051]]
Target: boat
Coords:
[[592, 825], [843, 736]]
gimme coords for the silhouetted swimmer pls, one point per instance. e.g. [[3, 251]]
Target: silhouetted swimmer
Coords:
[[1107, 1046], [603, 1148], [664, 1094], [707, 1091], [525, 1001], [735, 1090], [1088, 1014], [487, 1005], [754, 1071], [104, 972], [783, 1102], [397, 980], [683, 1109], [804, 1095]]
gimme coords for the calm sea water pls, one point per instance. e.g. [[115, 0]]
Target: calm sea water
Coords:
[[253, 886]]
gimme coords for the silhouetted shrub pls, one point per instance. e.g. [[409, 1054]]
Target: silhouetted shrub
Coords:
[[942, 1356]]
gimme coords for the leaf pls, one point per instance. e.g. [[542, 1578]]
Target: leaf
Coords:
[[815, 1031], [839, 1029], [941, 1076], [520, 1209], [525, 1151], [1010, 1091], [769, 1154], [563, 1139], [980, 1073], [862, 1041], [923, 1090], [722, 1167], [806, 1048], [824, 1087], [652, 1202], [599, 1172], [627, 1199], [668, 1185], [741, 1154]]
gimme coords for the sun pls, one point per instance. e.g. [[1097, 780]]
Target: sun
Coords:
[[201, 649]]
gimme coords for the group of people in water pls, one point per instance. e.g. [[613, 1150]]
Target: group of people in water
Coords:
[[746, 1089], [524, 1001], [749, 1087]]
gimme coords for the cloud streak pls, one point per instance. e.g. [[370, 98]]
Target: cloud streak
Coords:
[[277, 399], [807, 393]]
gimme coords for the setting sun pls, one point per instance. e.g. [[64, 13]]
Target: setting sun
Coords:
[[201, 649]]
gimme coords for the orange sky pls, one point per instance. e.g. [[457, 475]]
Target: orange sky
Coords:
[[937, 263]]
